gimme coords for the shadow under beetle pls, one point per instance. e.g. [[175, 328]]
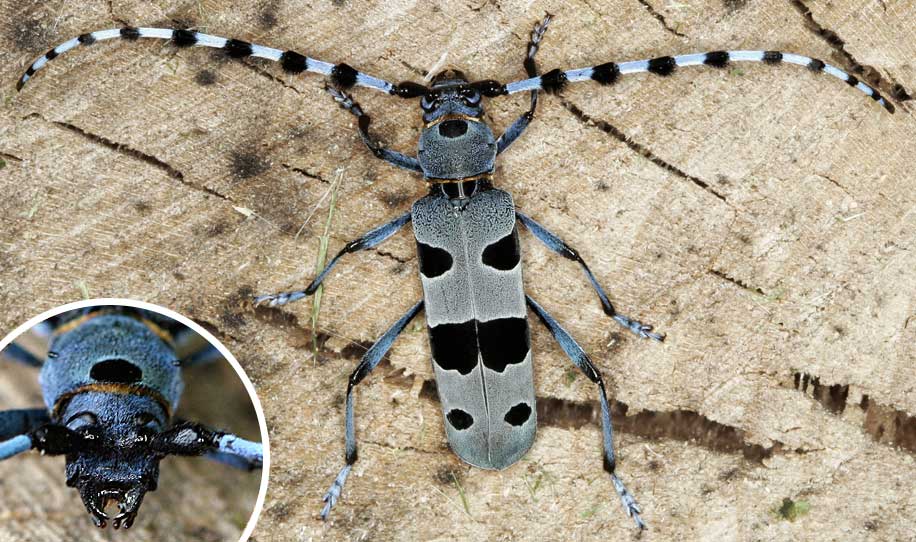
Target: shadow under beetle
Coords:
[[111, 382], [467, 239]]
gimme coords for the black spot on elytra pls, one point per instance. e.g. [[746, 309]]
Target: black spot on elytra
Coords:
[[503, 254], [454, 346], [205, 78], [459, 419], [247, 164], [116, 370], [130, 33], [518, 414], [816, 65], [453, 128], [503, 342], [434, 261], [237, 48]]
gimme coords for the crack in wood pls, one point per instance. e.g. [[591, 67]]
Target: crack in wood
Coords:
[[661, 19], [739, 283], [131, 152], [639, 148], [883, 423]]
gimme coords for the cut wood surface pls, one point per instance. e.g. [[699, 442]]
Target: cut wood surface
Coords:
[[763, 217]]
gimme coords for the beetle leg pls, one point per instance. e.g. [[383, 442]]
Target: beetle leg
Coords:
[[582, 361], [370, 360], [371, 239], [559, 246]]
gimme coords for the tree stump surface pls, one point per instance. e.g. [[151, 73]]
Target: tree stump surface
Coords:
[[762, 217]]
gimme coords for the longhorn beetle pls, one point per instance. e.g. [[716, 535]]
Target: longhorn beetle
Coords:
[[110, 382], [467, 239]]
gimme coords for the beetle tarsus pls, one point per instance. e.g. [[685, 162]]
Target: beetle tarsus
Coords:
[[333, 494], [278, 300], [637, 327]]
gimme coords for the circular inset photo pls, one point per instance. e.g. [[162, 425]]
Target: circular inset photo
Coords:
[[117, 413]]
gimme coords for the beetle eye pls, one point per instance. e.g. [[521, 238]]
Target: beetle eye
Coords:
[[82, 419], [144, 419]]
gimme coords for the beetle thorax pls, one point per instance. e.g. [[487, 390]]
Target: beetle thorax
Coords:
[[455, 143]]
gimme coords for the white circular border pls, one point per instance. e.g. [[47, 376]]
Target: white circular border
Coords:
[[259, 412]]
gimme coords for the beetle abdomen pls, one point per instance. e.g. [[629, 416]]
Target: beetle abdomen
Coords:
[[470, 267]]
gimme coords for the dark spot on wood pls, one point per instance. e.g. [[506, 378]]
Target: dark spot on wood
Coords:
[[217, 229], [142, 207], [732, 6], [248, 164], [395, 199], [447, 475], [355, 349], [205, 78], [267, 18], [29, 35]]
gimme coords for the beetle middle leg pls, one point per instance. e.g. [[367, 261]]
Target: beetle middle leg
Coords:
[[559, 246], [582, 361], [521, 123], [370, 239], [370, 360]]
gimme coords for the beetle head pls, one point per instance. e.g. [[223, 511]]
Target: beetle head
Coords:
[[114, 461], [455, 142]]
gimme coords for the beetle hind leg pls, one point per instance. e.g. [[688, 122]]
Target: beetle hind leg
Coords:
[[582, 361], [370, 360]]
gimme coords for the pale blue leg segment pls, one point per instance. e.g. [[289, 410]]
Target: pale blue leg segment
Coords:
[[557, 245], [238, 452], [16, 353], [518, 127], [21, 421], [370, 240], [362, 121], [370, 360], [15, 446], [582, 361]]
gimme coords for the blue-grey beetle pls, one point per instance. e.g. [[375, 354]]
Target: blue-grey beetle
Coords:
[[111, 383], [467, 240]]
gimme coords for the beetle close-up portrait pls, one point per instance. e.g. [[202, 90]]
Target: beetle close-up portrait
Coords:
[[500, 270], [117, 382]]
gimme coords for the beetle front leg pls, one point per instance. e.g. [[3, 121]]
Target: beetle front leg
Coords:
[[559, 246]]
